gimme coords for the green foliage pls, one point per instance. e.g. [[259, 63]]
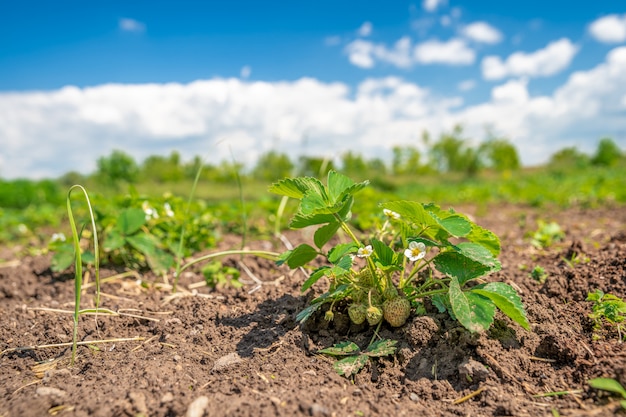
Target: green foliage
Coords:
[[163, 169], [539, 274], [21, 193], [610, 385], [379, 273], [272, 165], [133, 245], [607, 309], [116, 168], [546, 235], [568, 158], [407, 160], [140, 233], [500, 155], [354, 359], [218, 275], [314, 166], [607, 153], [451, 153]]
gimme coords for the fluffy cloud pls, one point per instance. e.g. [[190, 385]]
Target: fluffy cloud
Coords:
[[50, 133], [131, 25], [452, 52], [364, 54], [482, 32], [609, 29], [552, 59], [467, 85], [432, 5], [365, 29]]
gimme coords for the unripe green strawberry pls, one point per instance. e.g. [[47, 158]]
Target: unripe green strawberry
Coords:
[[374, 315], [365, 278], [357, 313], [396, 311], [390, 292]]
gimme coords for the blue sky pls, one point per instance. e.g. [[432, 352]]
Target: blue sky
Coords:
[[78, 79]]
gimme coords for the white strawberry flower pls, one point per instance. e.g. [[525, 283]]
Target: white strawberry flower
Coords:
[[415, 251], [365, 252]]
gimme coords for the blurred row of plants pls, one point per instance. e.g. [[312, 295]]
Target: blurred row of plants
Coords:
[[450, 171]]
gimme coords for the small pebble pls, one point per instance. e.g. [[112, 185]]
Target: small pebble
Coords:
[[197, 407], [50, 391], [414, 397], [226, 361], [168, 397]]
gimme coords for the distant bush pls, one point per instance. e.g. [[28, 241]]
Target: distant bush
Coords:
[[117, 167], [21, 193], [607, 153]]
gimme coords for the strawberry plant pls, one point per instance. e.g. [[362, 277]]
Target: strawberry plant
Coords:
[[420, 252]]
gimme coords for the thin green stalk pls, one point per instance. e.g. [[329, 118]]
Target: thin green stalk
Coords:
[[78, 263], [244, 216], [428, 293], [279, 214], [179, 251]]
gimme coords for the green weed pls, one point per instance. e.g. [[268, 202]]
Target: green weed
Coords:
[[608, 309]]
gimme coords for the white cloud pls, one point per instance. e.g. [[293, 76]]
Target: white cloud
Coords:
[[467, 85], [364, 54], [552, 59], [360, 53], [131, 25], [245, 72], [452, 52], [482, 32], [365, 29], [50, 133], [609, 29], [432, 5]]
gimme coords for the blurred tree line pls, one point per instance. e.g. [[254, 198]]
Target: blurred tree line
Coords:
[[450, 153]]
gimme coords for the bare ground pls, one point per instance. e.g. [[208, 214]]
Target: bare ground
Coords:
[[240, 352]]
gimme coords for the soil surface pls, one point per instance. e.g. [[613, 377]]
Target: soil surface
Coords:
[[240, 352]]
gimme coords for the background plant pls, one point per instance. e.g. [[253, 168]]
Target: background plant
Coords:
[[608, 309]]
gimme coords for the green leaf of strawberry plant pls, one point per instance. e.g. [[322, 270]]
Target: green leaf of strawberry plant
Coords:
[[291, 187], [340, 250], [351, 365], [455, 264], [325, 233], [475, 312], [456, 225], [130, 221], [480, 254], [340, 292], [411, 211], [485, 238], [384, 254], [299, 256], [381, 347], [114, 240], [341, 349], [337, 184], [506, 299], [314, 277]]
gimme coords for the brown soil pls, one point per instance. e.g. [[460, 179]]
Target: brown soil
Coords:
[[240, 352]]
